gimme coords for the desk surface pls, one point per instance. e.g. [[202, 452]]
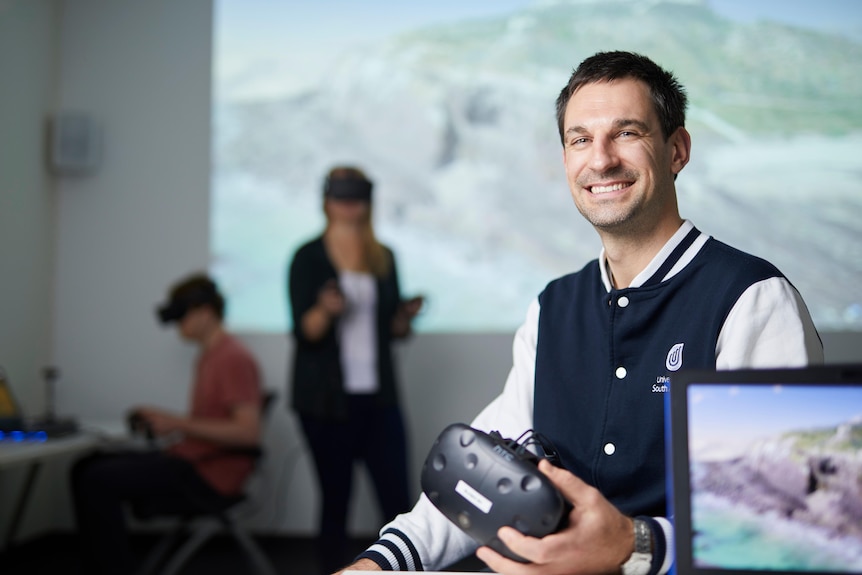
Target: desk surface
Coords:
[[23, 452], [18, 452]]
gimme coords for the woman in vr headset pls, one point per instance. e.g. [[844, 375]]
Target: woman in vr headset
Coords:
[[346, 311]]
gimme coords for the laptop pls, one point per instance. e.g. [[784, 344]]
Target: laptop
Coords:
[[15, 426], [765, 470]]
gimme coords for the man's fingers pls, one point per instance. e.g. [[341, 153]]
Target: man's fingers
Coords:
[[569, 484], [530, 548], [520, 544], [536, 551], [501, 564]]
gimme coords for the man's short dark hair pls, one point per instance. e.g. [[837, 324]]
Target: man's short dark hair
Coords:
[[195, 291], [668, 95]]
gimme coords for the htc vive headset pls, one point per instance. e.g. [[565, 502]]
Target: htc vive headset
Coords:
[[348, 189], [195, 292]]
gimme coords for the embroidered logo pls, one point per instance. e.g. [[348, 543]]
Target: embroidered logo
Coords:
[[674, 358]]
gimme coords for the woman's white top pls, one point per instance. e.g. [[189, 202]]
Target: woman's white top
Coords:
[[358, 332]]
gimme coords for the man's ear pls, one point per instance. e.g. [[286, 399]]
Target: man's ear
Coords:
[[680, 142]]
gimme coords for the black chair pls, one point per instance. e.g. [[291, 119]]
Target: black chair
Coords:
[[199, 520]]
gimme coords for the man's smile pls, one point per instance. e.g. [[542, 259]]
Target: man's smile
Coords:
[[607, 188]]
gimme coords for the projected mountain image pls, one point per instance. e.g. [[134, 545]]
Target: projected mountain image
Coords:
[[455, 124]]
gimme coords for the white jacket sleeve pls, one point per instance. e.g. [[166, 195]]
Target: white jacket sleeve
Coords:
[[424, 538], [768, 327]]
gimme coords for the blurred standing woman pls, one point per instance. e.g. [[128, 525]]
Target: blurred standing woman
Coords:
[[347, 309]]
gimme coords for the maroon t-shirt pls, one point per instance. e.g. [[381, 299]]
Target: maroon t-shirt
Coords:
[[226, 376]]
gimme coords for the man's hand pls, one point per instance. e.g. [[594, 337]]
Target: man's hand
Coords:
[[242, 429], [161, 421], [597, 538]]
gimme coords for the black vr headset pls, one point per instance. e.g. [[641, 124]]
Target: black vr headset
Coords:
[[191, 295], [348, 189]]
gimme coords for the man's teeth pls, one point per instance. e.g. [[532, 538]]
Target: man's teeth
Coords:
[[606, 189]]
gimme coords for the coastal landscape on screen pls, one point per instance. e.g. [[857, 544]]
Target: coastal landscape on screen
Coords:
[[776, 477]]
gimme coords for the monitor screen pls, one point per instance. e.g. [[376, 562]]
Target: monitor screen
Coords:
[[772, 476], [764, 470]]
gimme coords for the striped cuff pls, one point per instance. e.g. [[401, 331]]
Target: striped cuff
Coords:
[[393, 552]]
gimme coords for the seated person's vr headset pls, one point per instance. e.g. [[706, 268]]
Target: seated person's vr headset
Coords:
[[348, 189], [481, 482], [181, 302]]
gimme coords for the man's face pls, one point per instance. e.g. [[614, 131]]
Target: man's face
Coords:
[[618, 165], [192, 324]]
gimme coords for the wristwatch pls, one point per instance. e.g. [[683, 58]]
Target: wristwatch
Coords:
[[640, 561]]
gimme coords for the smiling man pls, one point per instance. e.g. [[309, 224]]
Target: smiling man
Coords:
[[598, 346], [620, 167]]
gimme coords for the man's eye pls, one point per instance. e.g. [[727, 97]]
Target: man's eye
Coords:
[[578, 141]]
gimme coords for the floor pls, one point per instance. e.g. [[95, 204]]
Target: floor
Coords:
[[55, 554]]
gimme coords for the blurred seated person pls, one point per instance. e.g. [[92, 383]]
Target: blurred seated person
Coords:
[[198, 462]]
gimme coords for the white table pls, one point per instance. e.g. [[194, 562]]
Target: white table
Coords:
[[14, 453], [32, 454]]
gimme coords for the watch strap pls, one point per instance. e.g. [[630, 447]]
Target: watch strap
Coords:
[[640, 561], [643, 536]]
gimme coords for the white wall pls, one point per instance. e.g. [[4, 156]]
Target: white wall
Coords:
[[28, 70], [142, 69]]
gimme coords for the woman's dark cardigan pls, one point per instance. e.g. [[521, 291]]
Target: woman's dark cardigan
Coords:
[[318, 388]]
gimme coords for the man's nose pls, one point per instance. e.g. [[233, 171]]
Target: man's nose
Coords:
[[603, 155]]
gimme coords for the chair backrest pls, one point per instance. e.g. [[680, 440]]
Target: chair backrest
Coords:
[[266, 403]]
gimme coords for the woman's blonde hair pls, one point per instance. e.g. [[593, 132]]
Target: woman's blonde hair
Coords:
[[376, 256]]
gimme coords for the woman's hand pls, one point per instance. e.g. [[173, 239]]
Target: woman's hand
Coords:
[[330, 304], [331, 300], [407, 310]]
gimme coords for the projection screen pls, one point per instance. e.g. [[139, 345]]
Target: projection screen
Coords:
[[449, 107]]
